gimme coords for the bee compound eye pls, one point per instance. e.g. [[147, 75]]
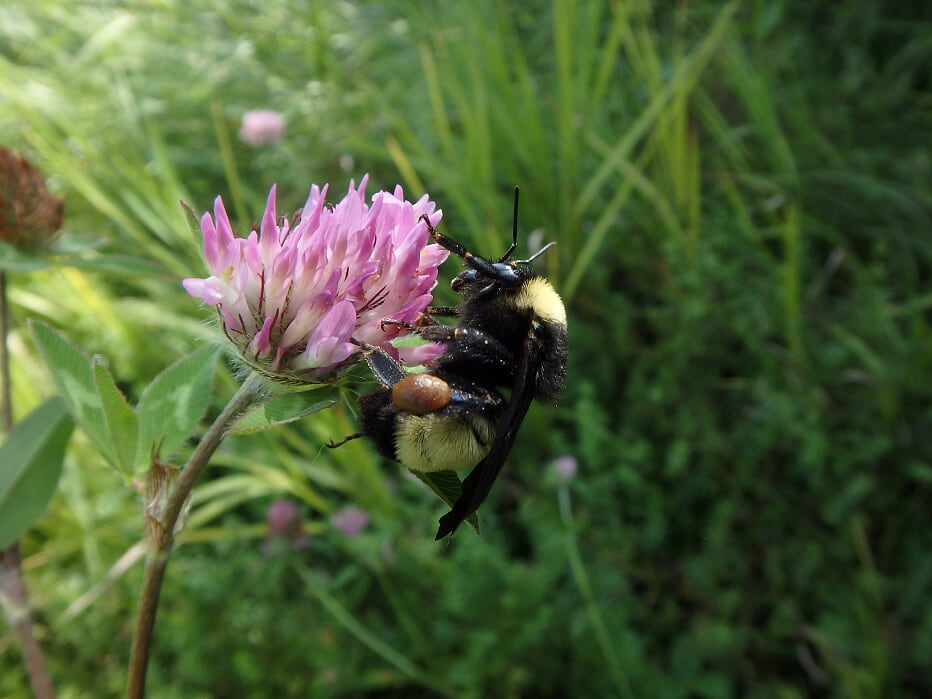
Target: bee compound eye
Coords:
[[421, 394]]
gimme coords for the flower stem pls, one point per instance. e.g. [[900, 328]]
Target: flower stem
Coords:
[[13, 595], [161, 546], [15, 602]]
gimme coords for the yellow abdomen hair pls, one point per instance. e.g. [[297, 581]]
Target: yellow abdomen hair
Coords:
[[435, 443]]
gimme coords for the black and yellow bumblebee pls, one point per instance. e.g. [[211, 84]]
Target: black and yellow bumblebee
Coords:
[[508, 346]]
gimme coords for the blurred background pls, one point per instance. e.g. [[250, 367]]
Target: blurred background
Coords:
[[732, 498]]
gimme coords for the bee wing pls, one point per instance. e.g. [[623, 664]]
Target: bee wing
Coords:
[[478, 483]]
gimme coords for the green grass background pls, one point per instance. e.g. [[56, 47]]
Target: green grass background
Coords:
[[741, 196]]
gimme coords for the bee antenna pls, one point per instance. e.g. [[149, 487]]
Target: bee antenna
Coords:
[[536, 254], [514, 220], [514, 230]]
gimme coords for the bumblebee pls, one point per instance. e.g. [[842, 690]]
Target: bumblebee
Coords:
[[507, 347]]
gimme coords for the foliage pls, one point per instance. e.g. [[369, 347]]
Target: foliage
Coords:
[[740, 195], [32, 457]]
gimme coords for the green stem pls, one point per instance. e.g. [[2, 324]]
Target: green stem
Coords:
[[228, 158], [13, 593], [581, 578], [161, 546]]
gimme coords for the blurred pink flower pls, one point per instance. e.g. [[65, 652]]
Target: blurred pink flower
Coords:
[[285, 522], [349, 520], [564, 468], [291, 296], [260, 127]]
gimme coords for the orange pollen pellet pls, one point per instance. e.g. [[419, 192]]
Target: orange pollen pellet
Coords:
[[421, 394]]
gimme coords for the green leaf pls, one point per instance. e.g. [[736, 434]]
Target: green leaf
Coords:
[[120, 420], [125, 265], [174, 403], [30, 465], [85, 257], [283, 408], [447, 485], [78, 382], [15, 260]]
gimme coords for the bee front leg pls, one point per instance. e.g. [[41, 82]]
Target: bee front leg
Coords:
[[426, 319], [386, 370]]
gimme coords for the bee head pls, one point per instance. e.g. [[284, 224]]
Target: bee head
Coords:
[[492, 276], [504, 273]]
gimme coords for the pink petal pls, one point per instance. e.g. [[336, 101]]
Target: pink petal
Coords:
[[261, 343], [223, 236], [422, 354], [268, 228], [204, 290], [338, 322]]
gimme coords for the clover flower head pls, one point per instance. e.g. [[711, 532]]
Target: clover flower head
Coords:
[[29, 215], [284, 521], [350, 520], [295, 296], [564, 468], [262, 127]]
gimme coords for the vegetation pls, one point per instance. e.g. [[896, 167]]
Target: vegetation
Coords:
[[740, 193]]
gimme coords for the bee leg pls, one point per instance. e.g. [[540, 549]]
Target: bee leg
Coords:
[[499, 271], [449, 311], [333, 445], [445, 241], [398, 323], [383, 367], [467, 402], [426, 319], [470, 346]]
